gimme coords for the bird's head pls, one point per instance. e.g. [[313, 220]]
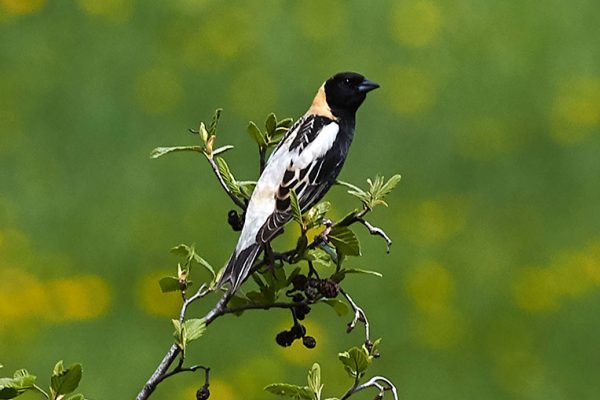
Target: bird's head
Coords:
[[346, 91]]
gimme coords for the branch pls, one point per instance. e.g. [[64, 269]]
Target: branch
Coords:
[[373, 230], [215, 169], [379, 382], [359, 315]]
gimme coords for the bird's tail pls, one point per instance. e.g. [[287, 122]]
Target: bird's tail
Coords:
[[238, 267]]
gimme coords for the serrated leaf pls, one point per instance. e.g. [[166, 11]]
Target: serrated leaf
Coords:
[[228, 177], [270, 124], [295, 206], [314, 216], [212, 130], [178, 334], [314, 380], [355, 361], [161, 151], [257, 135], [319, 256], [294, 391], [169, 284], [338, 306], [222, 149], [66, 381], [363, 271], [193, 329], [344, 240]]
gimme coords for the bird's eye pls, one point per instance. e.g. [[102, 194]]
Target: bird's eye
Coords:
[[347, 81]]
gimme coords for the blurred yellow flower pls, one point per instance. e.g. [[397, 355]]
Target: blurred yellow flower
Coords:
[[415, 23], [77, 298], [158, 90], [571, 274], [22, 6], [153, 301], [113, 10], [436, 219], [576, 109]]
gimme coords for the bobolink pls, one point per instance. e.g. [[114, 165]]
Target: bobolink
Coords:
[[307, 160]]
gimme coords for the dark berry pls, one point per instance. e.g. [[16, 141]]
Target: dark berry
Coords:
[[236, 222], [285, 338], [329, 288], [203, 393], [299, 282], [311, 293], [298, 331], [312, 282], [298, 297], [301, 310], [309, 342]]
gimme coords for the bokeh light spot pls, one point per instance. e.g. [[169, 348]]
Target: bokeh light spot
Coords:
[[118, 11], [437, 219], [431, 287], [576, 109], [78, 298], [415, 23], [571, 274], [153, 301], [410, 91], [321, 20], [158, 90], [22, 6]]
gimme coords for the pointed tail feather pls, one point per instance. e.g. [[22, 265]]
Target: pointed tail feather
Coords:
[[238, 267]]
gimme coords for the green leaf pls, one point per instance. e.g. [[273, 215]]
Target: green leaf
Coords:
[[344, 240], [356, 361], [314, 216], [64, 381], [215, 121], [222, 149], [169, 284], [293, 391], [270, 124], [23, 379], [181, 250], [76, 397], [227, 176], [246, 188], [178, 334], [363, 271], [256, 135], [204, 264], [338, 306], [297, 214], [355, 191], [277, 135], [314, 380], [318, 256], [161, 151], [285, 123], [193, 329]]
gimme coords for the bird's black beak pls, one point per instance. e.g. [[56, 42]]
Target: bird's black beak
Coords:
[[367, 85]]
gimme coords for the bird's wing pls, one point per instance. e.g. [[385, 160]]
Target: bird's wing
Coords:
[[310, 171]]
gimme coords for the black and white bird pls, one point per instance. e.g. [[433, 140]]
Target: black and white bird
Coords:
[[307, 160]]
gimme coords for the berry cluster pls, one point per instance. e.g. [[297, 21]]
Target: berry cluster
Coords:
[[298, 331], [313, 288]]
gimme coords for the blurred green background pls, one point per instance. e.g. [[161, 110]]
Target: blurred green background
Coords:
[[489, 109]]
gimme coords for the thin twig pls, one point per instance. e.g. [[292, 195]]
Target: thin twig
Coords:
[[233, 197], [373, 230], [381, 383], [233, 310], [179, 369], [359, 315]]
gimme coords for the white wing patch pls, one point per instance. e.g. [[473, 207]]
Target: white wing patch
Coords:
[[262, 202]]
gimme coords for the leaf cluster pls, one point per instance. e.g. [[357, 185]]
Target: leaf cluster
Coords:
[[63, 382], [378, 189]]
